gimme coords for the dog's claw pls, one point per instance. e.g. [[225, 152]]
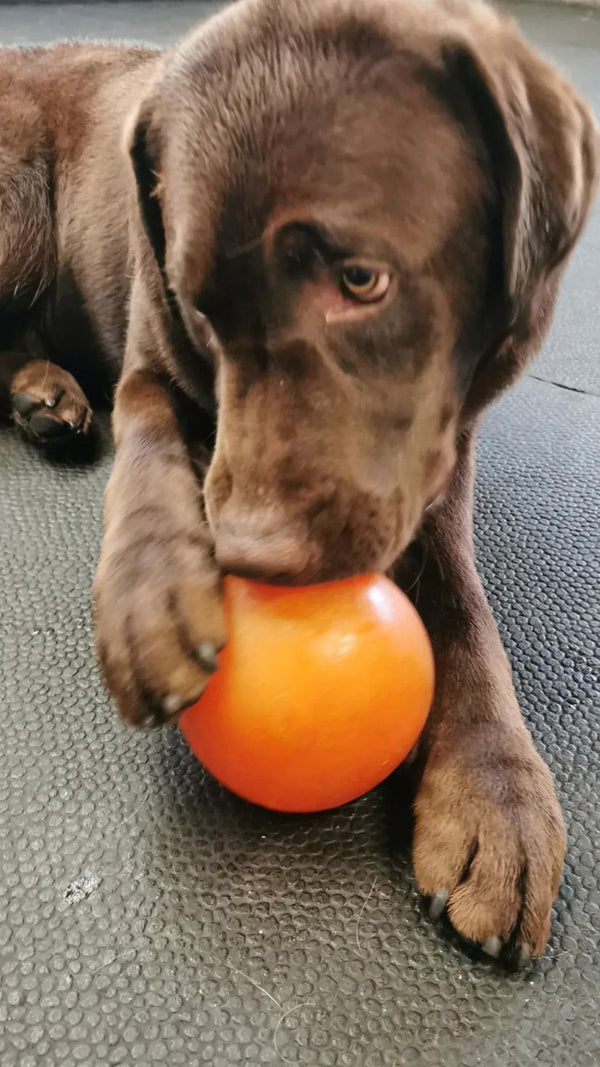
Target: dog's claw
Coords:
[[523, 957], [52, 401], [148, 721], [438, 903], [207, 654], [172, 704], [492, 947]]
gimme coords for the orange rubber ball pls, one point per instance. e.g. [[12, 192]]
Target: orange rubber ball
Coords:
[[321, 692]]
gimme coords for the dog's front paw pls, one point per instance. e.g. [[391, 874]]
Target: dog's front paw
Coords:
[[489, 845], [48, 404], [159, 622]]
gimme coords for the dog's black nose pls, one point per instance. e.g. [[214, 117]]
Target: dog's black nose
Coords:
[[257, 549]]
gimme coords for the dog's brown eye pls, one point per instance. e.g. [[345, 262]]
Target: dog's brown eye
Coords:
[[365, 283]]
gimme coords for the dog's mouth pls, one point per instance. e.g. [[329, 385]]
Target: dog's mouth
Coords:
[[335, 545], [307, 564]]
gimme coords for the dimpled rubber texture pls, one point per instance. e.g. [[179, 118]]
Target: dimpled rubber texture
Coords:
[[148, 917]]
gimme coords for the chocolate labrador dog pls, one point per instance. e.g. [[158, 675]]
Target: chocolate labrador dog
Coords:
[[313, 242]]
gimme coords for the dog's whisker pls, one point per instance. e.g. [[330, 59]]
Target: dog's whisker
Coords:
[[240, 250]]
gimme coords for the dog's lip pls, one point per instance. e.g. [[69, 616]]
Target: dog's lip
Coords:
[[303, 578], [310, 576]]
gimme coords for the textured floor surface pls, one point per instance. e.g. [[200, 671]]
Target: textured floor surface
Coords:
[[148, 917]]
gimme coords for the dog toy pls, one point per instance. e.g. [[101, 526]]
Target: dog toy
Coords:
[[321, 692]]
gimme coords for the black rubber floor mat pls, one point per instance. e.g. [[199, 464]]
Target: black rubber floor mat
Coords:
[[147, 916]]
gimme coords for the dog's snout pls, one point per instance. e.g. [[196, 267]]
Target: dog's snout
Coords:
[[262, 549]]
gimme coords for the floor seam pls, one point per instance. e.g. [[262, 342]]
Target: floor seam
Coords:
[[561, 385]]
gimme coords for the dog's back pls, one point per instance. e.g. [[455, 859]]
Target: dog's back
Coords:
[[63, 193]]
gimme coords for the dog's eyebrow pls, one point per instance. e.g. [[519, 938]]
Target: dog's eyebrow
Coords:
[[330, 247], [327, 245]]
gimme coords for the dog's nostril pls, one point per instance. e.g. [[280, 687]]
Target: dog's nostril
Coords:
[[266, 557]]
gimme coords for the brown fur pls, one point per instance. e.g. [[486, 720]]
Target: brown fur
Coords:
[[276, 144]]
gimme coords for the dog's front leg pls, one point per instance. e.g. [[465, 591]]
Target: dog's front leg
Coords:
[[157, 595], [489, 837]]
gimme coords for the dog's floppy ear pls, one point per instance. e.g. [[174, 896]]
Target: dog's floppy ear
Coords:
[[542, 152], [141, 143]]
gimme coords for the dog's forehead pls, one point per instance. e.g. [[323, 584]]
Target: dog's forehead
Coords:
[[340, 116], [393, 162]]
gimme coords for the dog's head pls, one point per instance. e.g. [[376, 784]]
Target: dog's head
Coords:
[[358, 211]]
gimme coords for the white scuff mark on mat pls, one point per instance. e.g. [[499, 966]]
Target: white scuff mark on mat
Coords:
[[360, 915], [133, 814], [114, 959], [284, 1014], [81, 888]]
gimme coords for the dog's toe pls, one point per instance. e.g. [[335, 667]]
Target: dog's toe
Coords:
[[46, 426], [23, 404]]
